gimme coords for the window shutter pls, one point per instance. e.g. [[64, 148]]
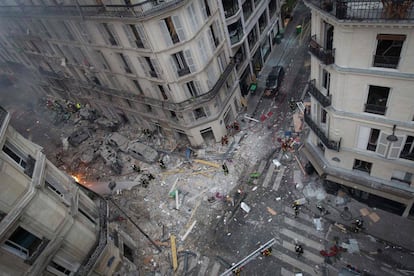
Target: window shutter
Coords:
[[211, 40], [174, 66], [197, 86], [207, 111], [130, 35], [193, 17], [165, 33], [203, 9], [395, 148], [211, 78], [142, 35], [363, 136], [382, 144], [178, 27], [203, 51], [144, 66], [190, 61]]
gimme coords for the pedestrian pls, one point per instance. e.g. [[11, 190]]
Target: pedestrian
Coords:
[[299, 249], [358, 225], [225, 169], [136, 168]]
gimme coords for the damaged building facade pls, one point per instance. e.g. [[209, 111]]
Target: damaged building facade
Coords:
[[362, 105], [169, 66], [49, 225]]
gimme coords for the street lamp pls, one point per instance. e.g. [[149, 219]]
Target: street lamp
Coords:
[[392, 137]]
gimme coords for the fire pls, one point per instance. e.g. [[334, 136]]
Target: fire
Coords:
[[77, 179]]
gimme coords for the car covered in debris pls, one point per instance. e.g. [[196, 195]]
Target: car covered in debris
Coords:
[[274, 80], [142, 152], [117, 140]]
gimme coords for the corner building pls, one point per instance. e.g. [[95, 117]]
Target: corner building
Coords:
[[362, 101], [48, 224], [172, 66]]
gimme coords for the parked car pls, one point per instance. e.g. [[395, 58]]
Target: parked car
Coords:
[[274, 80]]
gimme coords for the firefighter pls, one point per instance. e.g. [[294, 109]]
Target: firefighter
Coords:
[[267, 252], [295, 207], [299, 249]]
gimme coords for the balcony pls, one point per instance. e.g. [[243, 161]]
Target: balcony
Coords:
[[325, 56], [139, 10], [325, 101], [369, 10], [330, 144], [95, 253]]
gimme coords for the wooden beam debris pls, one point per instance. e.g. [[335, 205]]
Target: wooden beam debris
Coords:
[[174, 252]]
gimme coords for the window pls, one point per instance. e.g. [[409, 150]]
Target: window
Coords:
[[373, 139], [173, 115], [263, 22], [125, 62], [252, 38], [149, 108], [400, 176], [377, 100], [247, 9], [134, 34], [408, 150], [235, 31], [22, 243], [58, 269], [137, 86], [192, 88], [213, 37], [363, 166], [199, 113], [152, 70], [108, 32], [15, 154], [174, 28], [230, 7], [205, 8], [388, 50], [164, 95], [326, 80], [180, 63]]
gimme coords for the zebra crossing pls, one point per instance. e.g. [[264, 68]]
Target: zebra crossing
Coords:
[[293, 230]]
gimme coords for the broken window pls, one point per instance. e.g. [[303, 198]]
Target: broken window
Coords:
[[404, 177], [22, 243], [408, 149], [377, 100], [199, 113], [363, 166], [373, 139], [388, 50]]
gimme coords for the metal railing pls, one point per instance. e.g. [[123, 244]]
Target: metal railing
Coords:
[[94, 254], [325, 101], [366, 9], [330, 144], [376, 109], [146, 8], [324, 55], [386, 61]]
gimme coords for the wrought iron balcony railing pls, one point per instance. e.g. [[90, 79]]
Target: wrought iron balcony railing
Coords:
[[366, 9], [325, 101], [94, 254], [330, 144], [183, 72], [139, 10], [386, 61], [325, 56], [376, 109]]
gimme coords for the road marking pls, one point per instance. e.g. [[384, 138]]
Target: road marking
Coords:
[[262, 165], [301, 239], [269, 174], [279, 177], [295, 263], [285, 272], [215, 269], [304, 227], [306, 254]]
